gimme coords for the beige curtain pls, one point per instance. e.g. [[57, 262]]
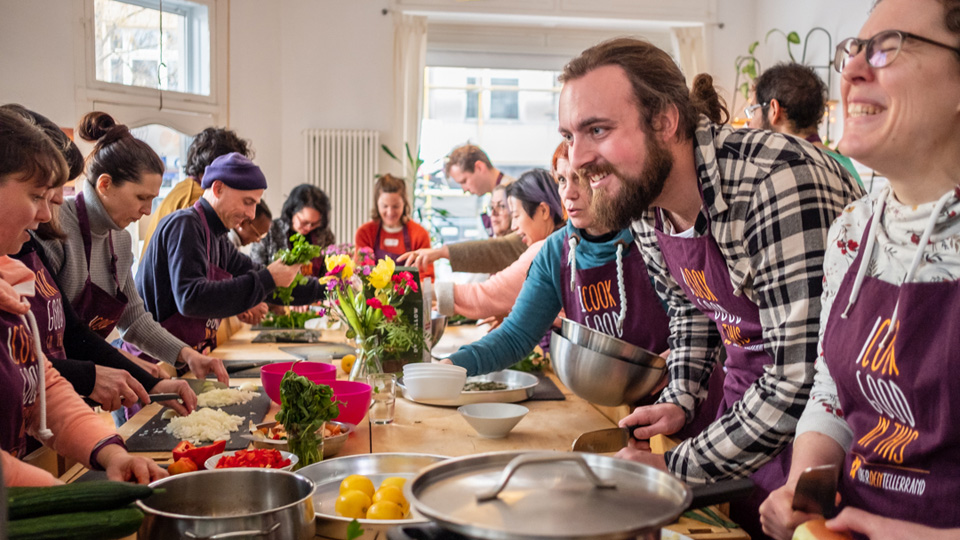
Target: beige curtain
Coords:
[[409, 60], [688, 42]]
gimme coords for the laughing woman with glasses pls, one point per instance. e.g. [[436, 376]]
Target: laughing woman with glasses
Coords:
[[886, 381]]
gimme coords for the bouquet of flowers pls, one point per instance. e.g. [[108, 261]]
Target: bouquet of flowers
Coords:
[[366, 296]]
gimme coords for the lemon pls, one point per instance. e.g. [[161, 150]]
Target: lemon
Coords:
[[385, 510], [352, 504], [398, 481], [357, 482], [392, 494], [346, 363]]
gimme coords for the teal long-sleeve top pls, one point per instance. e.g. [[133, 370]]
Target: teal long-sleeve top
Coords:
[[539, 302]]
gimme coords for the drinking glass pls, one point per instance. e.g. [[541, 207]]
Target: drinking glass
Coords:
[[384, 397]]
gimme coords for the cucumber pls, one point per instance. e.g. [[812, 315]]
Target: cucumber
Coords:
[[24, 502], [103, 525]]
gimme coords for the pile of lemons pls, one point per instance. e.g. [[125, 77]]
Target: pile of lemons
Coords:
[[359, 500]]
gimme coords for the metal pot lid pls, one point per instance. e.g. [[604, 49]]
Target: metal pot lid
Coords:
[[547, 495]]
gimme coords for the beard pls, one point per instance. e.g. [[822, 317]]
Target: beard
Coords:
[[615, 211]]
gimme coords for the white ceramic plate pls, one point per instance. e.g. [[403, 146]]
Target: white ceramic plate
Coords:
[[212, 461]]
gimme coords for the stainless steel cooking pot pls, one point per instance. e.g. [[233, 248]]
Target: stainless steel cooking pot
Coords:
[[230, 503], [554, 495]]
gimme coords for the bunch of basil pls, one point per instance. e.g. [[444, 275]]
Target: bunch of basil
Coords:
[[304, 407], [301, 253]]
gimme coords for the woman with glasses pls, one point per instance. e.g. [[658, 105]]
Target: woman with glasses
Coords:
[[885, 390], [306, 211]]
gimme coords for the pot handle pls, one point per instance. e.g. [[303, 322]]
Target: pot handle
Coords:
[[541, 457], [235, 534]]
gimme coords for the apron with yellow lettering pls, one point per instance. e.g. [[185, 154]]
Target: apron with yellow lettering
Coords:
[[700, 269], [899, 396]]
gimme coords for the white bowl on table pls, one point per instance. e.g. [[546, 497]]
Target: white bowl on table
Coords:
[[211, 462], [435, 367], [434, 386], [493, 420]]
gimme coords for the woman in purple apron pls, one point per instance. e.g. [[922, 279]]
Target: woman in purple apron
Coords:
[[884, 400], [391, 232], [94, 264]]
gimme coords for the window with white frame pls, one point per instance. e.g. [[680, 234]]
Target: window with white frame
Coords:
[[153, 44]]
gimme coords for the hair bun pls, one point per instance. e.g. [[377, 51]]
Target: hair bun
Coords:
[[706, 100], [100, 126]]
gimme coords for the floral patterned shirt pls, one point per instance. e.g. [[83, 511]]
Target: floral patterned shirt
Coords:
[[896, 245]]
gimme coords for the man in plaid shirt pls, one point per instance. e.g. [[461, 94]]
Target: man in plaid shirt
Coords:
[[732, 226]]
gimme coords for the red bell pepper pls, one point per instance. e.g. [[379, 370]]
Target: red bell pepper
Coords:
[[198, 454]]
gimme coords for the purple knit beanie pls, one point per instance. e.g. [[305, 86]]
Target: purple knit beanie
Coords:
[[236, 171]]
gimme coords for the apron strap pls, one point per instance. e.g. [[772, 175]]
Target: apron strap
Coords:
[[406, 237], [206, 227], [83, 220]]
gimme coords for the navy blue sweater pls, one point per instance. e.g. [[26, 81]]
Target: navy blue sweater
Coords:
[[173, 274]]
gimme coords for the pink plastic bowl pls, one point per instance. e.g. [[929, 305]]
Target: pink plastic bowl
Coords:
[[271, 374], [355, 400]]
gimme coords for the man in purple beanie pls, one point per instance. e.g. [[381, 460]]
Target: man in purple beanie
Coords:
[[192, 276]]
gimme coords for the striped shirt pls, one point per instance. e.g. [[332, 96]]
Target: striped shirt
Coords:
[[770, 199]]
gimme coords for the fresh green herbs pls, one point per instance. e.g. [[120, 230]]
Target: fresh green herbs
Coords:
[[354, 530], [533, 362], [289, 320], [301, 253], [304, 407]]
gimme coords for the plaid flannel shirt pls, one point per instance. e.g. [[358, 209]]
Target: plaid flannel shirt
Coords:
[[771, 200]]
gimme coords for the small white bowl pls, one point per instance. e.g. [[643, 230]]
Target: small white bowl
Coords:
[[434, 386], [417, 368], [211, 462], [435, 375], [493, 420]]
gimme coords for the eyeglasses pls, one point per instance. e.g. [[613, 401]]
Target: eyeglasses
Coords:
[[498, 208], [751, 108], [882, 49]]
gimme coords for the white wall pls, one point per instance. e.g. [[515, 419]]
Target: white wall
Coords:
[[36, 56]]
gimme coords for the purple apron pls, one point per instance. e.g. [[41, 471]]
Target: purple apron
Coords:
[[95, 306], [201, 334], [47, 306], [19, 381], [898, 399], [381, 253], [700, 269]]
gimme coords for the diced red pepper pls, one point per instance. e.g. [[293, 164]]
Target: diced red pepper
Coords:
[[261, 458]]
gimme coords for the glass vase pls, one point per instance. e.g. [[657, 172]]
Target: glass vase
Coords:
[[368, 360], [307, 446]]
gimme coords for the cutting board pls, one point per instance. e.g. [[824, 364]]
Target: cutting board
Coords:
[[153, 437]]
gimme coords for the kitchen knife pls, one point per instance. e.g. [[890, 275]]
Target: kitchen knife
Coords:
[[604, 440], [816, 491], [163, 397], [235, 367]]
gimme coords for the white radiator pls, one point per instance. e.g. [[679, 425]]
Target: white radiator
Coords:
[[344, 163]]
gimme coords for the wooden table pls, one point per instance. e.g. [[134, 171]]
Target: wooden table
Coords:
[[550, 425]]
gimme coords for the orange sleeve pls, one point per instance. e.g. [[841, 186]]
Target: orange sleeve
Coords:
[[17, 473], [366, 235], [76, 428]]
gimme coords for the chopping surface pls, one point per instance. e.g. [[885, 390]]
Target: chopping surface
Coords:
[[153, 437]]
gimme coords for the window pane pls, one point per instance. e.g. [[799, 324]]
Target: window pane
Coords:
[[171, 145], [504, 103], [131, 50], [473, 98]]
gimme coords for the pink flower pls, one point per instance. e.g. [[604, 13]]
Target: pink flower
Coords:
[[374, 303], [389, 312]]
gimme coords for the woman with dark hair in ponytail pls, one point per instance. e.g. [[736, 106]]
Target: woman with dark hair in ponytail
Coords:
[[93, 265], [732, 226], [537, 213]]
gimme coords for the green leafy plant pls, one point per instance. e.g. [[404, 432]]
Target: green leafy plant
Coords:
[[289, 320], [792, 38], [301, 253], [353, 530], [304, 407], [531, 363]]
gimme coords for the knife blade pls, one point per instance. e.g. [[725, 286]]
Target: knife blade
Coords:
[[604, 440], [816, 490], [163, 397]]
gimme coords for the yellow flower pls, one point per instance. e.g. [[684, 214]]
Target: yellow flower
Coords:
[[381, 274], [340, 261]]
